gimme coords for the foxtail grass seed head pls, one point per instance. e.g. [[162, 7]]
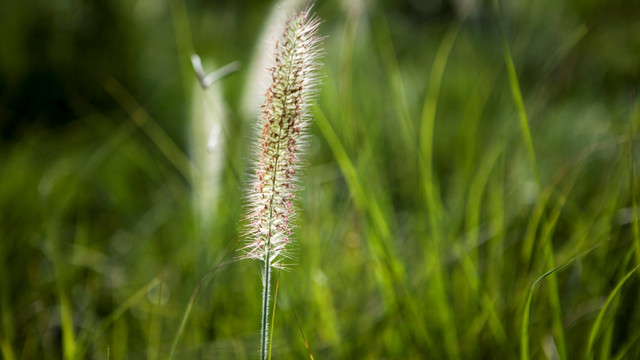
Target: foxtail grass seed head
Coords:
[[258, 80], [282, 125]]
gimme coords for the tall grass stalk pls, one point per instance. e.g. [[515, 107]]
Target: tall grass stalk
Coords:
[[283, 121], [432, 194]]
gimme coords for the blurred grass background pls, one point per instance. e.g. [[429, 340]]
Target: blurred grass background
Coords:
[[461, 152]]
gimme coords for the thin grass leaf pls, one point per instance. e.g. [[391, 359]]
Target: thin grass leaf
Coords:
[[273, 316], [622, 353], [184, 43], [159, 137], [603, 311], [7, 350], [516, 93], [306, 344], [398, 91], [524, 333], [387, 264], [431, 193], [635, 222], [68, 333]]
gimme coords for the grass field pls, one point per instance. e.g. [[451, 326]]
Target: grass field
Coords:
[[470, 191]]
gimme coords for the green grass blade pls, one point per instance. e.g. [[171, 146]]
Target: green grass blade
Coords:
[[184, 43], [7, 350], [273, 314], [622, 354], [603, 311], [429, 113], [187, 311], [524, 332], [66, 318], [469, 261], [392, 69], [533, 224], [554, 293], [635, 226], [159, 137], [432, 196], [304, 338], [516, 93], [386, 262], [635, 223], [351, 176]]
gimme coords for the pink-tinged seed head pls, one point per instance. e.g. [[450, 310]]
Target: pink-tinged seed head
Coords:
[[283, 122]]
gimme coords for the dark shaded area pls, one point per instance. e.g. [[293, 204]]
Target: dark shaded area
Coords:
[[75, 45], [57, 53]]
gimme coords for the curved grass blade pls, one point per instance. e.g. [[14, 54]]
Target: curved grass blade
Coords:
[[432, 196], [598, 322], [524, 334]]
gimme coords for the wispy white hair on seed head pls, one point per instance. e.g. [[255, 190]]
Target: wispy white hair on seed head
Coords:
[[282, 126], [253, 95]]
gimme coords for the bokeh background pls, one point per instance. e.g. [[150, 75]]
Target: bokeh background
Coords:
[[471, 186]]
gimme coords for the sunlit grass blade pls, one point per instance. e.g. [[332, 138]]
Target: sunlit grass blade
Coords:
[[7, 350], [348, 169], [432, 195], [477, 190], [386, 261], [68, 331], [554, 292], [160, 138], [545, 238]]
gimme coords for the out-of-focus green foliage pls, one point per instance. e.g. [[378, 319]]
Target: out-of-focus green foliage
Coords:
[[423, 225]]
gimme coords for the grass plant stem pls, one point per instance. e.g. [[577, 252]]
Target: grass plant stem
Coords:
[[266, 293]]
